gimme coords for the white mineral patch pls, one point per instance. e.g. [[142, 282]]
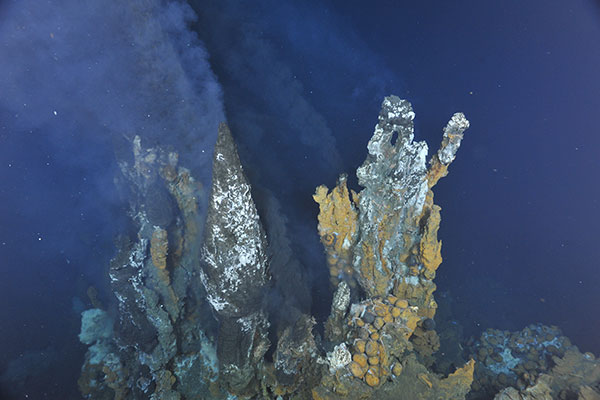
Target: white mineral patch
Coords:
[[217, 303], [96, 325], [209, 352], [419, 200], [409, 115], [507, 364], [182, 365], [218, 198], [374, 145], [248, 323], [412, 280], [247, 255], [339, 357], [138, 254], [454, 133], [346, 244], [341, 298], [357, 310]]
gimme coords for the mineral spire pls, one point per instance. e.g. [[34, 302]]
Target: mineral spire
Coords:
[[387, 235], [189, 316], [235, 271]]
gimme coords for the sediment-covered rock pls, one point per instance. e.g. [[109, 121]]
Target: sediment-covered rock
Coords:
[[335, 327], [297, 360], [381, 242], [532, 363], [161, 339], [189, 320], [386, 235], [235, 271], [574, 376], [338, 228], [389, 229]]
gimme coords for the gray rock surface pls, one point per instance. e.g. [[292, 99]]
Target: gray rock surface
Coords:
[[235, 271], [235, 243], [394, 179]]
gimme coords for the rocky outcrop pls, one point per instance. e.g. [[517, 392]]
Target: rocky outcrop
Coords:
[[338, 228], [296, 359], [177, 266], [335, 327], [395, 186], [160, 346], [385, 239], [574, 376], [189, 319], [235, 271], [535, 363], [388, 231], [515, 359]]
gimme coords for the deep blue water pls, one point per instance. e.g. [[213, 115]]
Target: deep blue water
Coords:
[[304, 80]]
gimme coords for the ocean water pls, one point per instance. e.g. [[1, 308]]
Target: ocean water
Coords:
[[300, 85]]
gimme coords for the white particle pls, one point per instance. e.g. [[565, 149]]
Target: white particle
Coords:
[[54, 112]]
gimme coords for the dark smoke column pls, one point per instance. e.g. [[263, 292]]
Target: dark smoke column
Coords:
[[235, 271]]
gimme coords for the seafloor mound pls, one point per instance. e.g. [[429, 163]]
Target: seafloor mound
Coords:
[[189, 319]]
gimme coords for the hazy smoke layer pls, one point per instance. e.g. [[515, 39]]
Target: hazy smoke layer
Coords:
[[296, 78], [110, 69], [77, 79]]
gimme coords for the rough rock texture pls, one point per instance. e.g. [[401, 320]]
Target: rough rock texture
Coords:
[[389, 230], [235, 244], [514, 358], [189, 321], [335, 327], [574, 376], [297, 368], [386, 235], [161, 340], [235, 272], [394, 180], [159, 247], [414, 381], [177, 267], [338, 228]]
